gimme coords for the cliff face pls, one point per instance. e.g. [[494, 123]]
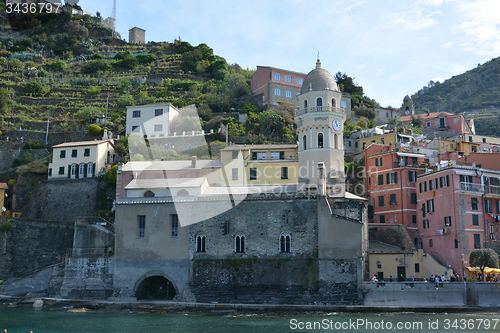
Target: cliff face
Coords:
[[62, 200]]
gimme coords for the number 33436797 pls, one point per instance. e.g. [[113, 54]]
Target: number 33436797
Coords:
[[25, 8]]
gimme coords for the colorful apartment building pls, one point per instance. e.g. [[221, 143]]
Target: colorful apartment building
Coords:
[[359, 141], [276, 85], [441, 121], [457, 211], [259, 165], [391, 183], [83, 159]]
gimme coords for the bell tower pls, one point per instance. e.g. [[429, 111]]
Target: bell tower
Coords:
[[320, 124]]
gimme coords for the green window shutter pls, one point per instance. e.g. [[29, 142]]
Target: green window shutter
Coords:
[[381, 201], [376, 162], [498, 207], [420, 186], [85, 170], [414, 219], [462, 178], [388, 178], [447, 180], [441, 182], [77, 173], [475, 219], [380, 161], [413, 198], [254, 155], [381, 179], [393, 199], [395, 177], [425, 186], [282, 155], [93, 169], [69, 171], [423, 210], [382, 218], [428, 206], [474, 203]]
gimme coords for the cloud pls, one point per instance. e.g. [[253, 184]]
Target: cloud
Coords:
[[479, 30], [448, 45], [412, 21], [352, 6]]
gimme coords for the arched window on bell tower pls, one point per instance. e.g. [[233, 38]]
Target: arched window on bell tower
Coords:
[[336, 139], [334, 103], [319, 104], [305, 104], [320, 140], [304, 142]]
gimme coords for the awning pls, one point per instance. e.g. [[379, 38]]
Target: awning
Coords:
[[411, 155], [487, 270]]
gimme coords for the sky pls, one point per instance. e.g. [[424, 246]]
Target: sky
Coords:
[[390, 47]]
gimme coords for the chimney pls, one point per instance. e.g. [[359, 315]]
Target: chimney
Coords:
[[321, 179], [193, 161]]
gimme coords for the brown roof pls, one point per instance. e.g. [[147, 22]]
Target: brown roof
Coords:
[[83, 143], [431, 115], [3, 185]]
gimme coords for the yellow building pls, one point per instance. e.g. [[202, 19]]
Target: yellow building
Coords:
[[3, 188], [358, 145], [386, 260], [259, 165], [82, 159]]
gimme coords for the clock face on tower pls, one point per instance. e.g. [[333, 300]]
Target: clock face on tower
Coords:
[[407, 112], [336, 125]]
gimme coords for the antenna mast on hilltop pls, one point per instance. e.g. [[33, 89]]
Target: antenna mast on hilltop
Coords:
[[113, 14]]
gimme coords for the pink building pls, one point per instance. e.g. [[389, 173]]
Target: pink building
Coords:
[[276, 85], [391, 183], [442, 121], [457, 212]]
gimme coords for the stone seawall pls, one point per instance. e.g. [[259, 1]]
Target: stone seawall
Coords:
[[88, 277], [278, 281], [33, 244]]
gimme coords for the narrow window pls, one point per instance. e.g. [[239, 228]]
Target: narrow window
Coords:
[[382, 218], [381, 201], [285, 243], [393, 199], [477, 241], [456, 243], [253, 173], [200, 243], [381, 179], [234, 175], [304, 142], [175, 225], [240, 244], [305, 104], [284, 172], [62, 154], [61, 170], [417, 268], [475, 219], [414, 198], [414, 219], [87, 152], [234, 154], [320, 140], [142, 225], [74, 153], [430, 242], [474, 203], [492, 232]]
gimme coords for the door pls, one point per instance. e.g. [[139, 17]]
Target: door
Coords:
[[401, 271]]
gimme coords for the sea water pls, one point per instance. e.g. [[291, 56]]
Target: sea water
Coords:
[[24, 320]]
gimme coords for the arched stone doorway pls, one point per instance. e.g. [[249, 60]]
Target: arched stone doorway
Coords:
[[155, 286]]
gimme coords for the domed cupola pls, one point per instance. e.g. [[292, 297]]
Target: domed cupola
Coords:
[[319, 79]]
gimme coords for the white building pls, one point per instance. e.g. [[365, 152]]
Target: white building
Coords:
[[82, 159], [150, 119]]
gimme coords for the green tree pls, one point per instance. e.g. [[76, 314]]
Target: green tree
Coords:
[[145, 58], [95, 130], [35, 88], [346, 83], [364, 111], [483, 258], [271, 122], [15, 64], [4, 100], [88, 112], [96, 65], [58, 66], [417, 121], [126, 100], [138, 157]]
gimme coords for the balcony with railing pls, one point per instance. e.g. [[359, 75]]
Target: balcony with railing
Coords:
[[320, 109], [470, 187], [492, 189]]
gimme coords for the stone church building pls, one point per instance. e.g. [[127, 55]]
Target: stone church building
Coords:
[[300, 243]]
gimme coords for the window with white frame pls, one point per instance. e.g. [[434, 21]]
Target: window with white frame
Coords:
[[447, 221], [299, 80], [489, 206], [158, 127], [277, 92], [492, 231], [158, 112], [239, 246], [136, 114], [277, 76], [288, 78], [288, 94], [343, 104]]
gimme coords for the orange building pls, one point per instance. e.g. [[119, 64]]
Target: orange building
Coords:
[[441, 121], [391, 183]]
